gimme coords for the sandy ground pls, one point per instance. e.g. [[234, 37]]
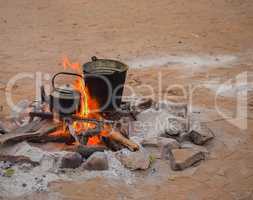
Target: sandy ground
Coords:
[[191, 43]]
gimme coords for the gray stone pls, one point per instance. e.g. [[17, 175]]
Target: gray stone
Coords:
[[71, 160], [5, 164], [97, 161], [49, 161], [25, 149], [175, 126], [134, 160], [150, 142], [159, 142], [189, 145], [166, 144], [157, 122], [181, 159], [25, 167], [184, 136], [176, 109], [200, 134], [142, 104]]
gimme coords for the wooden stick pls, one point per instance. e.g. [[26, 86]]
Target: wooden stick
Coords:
[[117, 136], [31, 127], [40, 134], [111, 144], [18, 159]]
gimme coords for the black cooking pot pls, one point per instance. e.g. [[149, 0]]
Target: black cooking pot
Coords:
[[64, 100], [105, 81]]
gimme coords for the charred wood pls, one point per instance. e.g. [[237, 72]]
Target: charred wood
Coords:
[[112, 145], [86, 151], [118, 137], [31, 127], [42, 134], [18, 159], [42, 115]]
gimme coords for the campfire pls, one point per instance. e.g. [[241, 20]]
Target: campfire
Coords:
[[77, 109], [85, 125], [91, 121]]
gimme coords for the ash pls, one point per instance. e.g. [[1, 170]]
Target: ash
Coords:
[[27, 179], [116, 171]]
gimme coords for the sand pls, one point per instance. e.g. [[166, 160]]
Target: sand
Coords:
[[189, 43]]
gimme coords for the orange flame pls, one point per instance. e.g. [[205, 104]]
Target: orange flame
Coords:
[[79, 86], [88, 106], [67, 64]]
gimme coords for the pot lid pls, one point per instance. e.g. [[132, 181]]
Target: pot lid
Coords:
[[66, 91], [104, 66]]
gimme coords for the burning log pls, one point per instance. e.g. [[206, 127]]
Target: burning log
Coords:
[[118, 137]]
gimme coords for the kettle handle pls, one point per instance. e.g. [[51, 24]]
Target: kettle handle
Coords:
[[63, 73]]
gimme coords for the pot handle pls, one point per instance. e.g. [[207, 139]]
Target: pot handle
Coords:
[[64, 73]]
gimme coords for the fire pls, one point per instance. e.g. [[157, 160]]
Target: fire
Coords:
[[88, 105], [75, 66]]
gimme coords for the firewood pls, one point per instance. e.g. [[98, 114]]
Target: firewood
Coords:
[[17, 137], [42, 115], [31, 127], [118, 137], [46, 128], [111, 144], [18, 159], [68, 139]]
